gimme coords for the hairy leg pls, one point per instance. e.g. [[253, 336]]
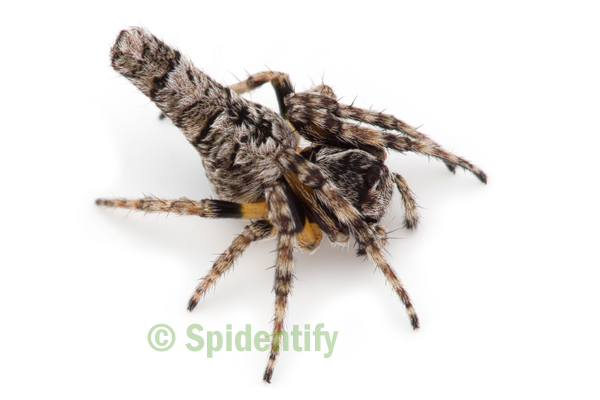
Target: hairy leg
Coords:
[[321, 119], [411, 213], [334, 230], [257, 230], [280, 81], [287, 216], [310, 175], [282, 287], [204, 208]]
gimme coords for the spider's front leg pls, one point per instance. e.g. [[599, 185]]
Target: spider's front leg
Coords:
[[321, 119]]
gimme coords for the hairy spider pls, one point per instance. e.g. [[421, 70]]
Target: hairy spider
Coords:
[[339, 185]]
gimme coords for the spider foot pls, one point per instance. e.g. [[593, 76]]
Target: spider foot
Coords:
[[193, 302], [269, 370]]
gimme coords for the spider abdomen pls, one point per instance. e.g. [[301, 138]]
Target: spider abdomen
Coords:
[[236, 138]]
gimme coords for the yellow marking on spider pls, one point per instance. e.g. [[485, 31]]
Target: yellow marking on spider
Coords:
[[310, 237], [254, 211], [307, 195]]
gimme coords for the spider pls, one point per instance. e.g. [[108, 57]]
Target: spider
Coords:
[[338, 186]]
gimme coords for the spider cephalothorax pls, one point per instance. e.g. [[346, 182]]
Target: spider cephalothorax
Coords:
[[339, 185]]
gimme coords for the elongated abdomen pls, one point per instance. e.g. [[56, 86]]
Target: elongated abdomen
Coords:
[[182, 92], [236, 138]]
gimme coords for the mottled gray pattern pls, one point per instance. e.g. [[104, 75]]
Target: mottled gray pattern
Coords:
[[339, 186], [360, 177], [236, 138]]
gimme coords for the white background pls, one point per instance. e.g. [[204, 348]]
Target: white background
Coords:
[[504, 276]]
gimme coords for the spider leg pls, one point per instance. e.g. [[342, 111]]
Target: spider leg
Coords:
[[285, 211], [282, 288], [411, 213], [384, 121], [376, 254], [206, 208], [256, 231], [380, 236], [280, 81], [310, 175], [321, 119], [324, 90], [335, 231], [310, 238]]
